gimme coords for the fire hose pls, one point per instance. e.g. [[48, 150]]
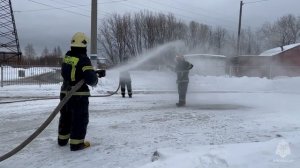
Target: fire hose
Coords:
[[48, 120]]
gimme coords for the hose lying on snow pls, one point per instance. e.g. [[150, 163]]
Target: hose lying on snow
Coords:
[[45, 124], [49, 119], [110, 93], [46, 98]]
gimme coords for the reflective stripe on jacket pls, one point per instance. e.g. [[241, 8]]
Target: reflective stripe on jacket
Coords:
[[75, 67]]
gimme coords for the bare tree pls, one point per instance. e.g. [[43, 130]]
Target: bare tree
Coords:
[[250, 43], [106, 43], [218, 38], [30, 52], [176, 30], [199, 35], [137, 21], [117, 38], [124, 36], [45, 52], [283, 32]]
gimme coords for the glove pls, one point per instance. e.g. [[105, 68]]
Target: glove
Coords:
[[100, 73]]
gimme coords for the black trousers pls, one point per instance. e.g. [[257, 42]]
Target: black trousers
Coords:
[[182, 89], [126, 83], [74, 117]]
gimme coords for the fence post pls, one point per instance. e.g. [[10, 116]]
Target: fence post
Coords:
[[1, 75], [230, 71], [270, 73]]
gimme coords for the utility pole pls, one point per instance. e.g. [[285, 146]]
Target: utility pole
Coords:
[[239, 30], [93, 54]]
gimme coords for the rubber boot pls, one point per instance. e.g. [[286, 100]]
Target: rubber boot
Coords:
[[80, 146], [180, 104], [62, 142]]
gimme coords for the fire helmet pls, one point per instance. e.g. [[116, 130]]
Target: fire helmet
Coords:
[[79, 39]]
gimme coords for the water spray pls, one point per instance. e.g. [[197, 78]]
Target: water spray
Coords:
[[153, 53]]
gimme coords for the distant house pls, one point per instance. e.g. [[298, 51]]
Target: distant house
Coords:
[[279, 61], [208, 64], [250, 65], [285, 60]]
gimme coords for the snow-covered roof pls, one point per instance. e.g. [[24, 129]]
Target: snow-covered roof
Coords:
[[277, 50], [252, 56], [204, 55]]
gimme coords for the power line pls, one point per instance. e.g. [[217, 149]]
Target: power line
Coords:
[[192, 11], [159, 10], [254, 2], [70, 3], [103, 12], [192, 18], [80, 5], [59, 8], [207, 11], [46, 9], [51, 7], [147, 6], [89, 10], [110, 2]]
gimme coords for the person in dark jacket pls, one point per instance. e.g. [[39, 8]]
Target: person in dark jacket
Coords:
[[182, 69], [74, 116], [125, 81]]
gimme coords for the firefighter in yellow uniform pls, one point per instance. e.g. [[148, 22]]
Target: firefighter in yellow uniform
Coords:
[[74, 116]]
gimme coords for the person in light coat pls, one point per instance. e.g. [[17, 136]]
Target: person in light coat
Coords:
[[182, 69]]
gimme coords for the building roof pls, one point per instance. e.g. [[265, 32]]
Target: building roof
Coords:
[[277, 50], [204, 55]]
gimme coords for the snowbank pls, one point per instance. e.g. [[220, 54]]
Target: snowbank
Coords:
[[159, 81], [273, 153]]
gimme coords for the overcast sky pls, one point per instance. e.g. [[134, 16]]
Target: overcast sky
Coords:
[[50, 23]]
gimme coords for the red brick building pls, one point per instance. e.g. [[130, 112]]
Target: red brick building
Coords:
[[280, 61]]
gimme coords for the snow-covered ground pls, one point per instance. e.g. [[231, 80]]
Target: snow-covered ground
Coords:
[[228, 122]]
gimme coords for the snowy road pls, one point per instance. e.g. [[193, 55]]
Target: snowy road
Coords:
[[125, 132]]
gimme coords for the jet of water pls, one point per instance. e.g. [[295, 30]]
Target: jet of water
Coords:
[[153, 53]]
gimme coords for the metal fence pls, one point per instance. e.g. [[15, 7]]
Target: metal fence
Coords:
[[29, 75]]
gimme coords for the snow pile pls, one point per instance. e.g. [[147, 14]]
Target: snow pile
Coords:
[[279, 151], [244, 84]]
